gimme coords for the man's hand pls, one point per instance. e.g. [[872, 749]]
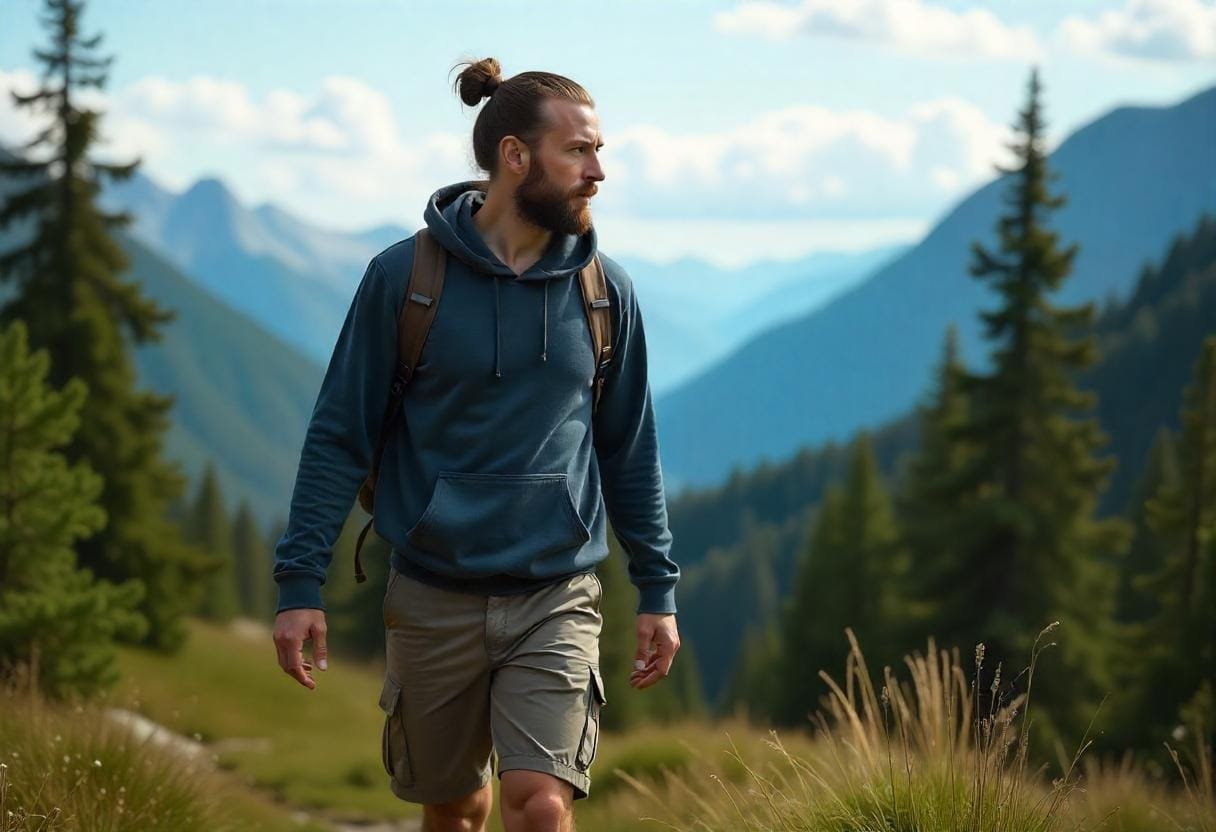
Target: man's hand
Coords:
[[658, 642], [291, 629]]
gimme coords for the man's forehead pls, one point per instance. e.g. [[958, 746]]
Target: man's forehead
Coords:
[[574, 122]]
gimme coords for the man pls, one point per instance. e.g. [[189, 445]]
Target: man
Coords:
[[497, 486]]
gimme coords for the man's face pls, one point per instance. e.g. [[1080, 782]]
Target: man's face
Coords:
[[563, 171]]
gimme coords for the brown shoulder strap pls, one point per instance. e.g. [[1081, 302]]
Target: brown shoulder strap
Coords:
[[599, 318], [413, 324]]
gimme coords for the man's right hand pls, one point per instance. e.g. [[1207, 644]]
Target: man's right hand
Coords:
[[291, 629]]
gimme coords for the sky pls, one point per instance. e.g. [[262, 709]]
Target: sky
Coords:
[[734, 131]]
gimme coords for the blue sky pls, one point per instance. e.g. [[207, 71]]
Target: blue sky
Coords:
[[734, 130]]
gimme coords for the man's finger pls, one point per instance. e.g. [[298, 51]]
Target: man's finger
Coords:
[[319, 650], [299, 670]]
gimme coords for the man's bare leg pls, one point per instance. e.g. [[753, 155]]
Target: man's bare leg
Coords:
[[533, 801], [467, 814]]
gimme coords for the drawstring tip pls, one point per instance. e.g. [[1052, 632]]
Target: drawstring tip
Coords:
[[498, 373], [544, 356]]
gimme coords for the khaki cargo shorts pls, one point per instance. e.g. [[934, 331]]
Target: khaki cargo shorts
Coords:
[[471, 678]]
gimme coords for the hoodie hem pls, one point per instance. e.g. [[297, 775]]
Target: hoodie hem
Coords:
[[483, 585]]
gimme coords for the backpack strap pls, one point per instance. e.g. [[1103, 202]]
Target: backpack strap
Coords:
[[599, 318], [413, 324]]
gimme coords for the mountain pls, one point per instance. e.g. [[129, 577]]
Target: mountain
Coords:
[[1134, 179], [738, 541], [696, 313], [294, 278], [243, 395]]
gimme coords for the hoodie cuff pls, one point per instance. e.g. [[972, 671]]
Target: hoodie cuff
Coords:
[[658, 599], [299, 592]]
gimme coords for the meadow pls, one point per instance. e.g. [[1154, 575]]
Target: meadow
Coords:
[[912, 751]]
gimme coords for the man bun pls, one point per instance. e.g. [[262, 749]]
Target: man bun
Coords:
[[478, 80]]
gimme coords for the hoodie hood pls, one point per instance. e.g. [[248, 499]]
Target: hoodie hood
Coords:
[[449, 218]]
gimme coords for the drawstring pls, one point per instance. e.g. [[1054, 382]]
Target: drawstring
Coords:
[[497, 340], [544, 351]]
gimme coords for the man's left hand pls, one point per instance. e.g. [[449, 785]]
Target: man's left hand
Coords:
[[658, 642]]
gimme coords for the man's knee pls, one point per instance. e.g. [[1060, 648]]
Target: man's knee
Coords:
[[465, 813], [542, 799]]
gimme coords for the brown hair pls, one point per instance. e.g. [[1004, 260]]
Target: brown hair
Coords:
[[515, 108]]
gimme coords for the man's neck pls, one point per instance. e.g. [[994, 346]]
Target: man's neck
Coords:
[[516, 243]]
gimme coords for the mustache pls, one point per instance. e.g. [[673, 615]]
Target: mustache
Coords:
[[589, 193]]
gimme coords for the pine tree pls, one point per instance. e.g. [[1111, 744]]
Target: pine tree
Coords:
[[813, 617], [56, 621], [253, 565], [1147, 551], [1031, 550], [211, 531], [923, 504], [69, 291], [848, 577], [756, 680], [1178, 644]]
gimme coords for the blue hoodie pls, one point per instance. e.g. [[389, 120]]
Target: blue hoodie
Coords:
[[494, 481]]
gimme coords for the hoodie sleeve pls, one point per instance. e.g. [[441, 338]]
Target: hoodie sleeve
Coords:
[[339, 441], [627, 449]]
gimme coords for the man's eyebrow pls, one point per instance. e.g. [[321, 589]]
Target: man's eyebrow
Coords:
[[599, 141]]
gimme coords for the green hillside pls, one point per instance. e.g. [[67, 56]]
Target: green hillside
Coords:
[[243, 395], [738, 542]]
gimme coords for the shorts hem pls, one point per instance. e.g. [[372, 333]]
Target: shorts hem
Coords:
[[412, 794], [580, 780]]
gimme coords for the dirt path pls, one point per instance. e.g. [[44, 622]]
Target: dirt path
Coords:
[[145, 729]]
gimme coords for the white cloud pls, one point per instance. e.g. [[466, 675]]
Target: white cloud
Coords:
[[1159, 30], [805, 161], [912, 26], [336, 157], [314, 153]]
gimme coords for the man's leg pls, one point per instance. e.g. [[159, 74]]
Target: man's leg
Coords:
[[533, 801], [468, 814], [545, 698]]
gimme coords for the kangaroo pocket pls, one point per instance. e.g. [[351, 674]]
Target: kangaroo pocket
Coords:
[[498, 523]]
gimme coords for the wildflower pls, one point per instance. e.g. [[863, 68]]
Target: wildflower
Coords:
[[97, 763]]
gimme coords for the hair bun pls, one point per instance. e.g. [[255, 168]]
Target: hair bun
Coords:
[[478, 80]]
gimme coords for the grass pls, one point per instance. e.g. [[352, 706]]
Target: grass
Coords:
[[63, 766], [317, 750], [911, 755], [921, 757]]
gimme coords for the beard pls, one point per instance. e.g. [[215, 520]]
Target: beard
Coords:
[[543, 204]]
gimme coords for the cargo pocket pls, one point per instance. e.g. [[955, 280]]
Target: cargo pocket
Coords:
[[589, 742], [394, 747], [491, 523]]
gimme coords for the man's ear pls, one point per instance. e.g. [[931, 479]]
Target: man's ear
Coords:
[[515, 154]]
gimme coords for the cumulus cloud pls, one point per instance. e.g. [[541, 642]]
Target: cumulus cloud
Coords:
[[335, 145], [805, 161], [912, 26], [1157, 30], [336, 156]]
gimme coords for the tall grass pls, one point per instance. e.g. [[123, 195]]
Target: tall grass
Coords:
[[65, 766], [922, 756]]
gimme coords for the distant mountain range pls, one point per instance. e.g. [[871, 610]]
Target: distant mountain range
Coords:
[[297, 280], [1134, 178]]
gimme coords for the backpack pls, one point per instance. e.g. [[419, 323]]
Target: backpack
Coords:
[[414, 322]]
